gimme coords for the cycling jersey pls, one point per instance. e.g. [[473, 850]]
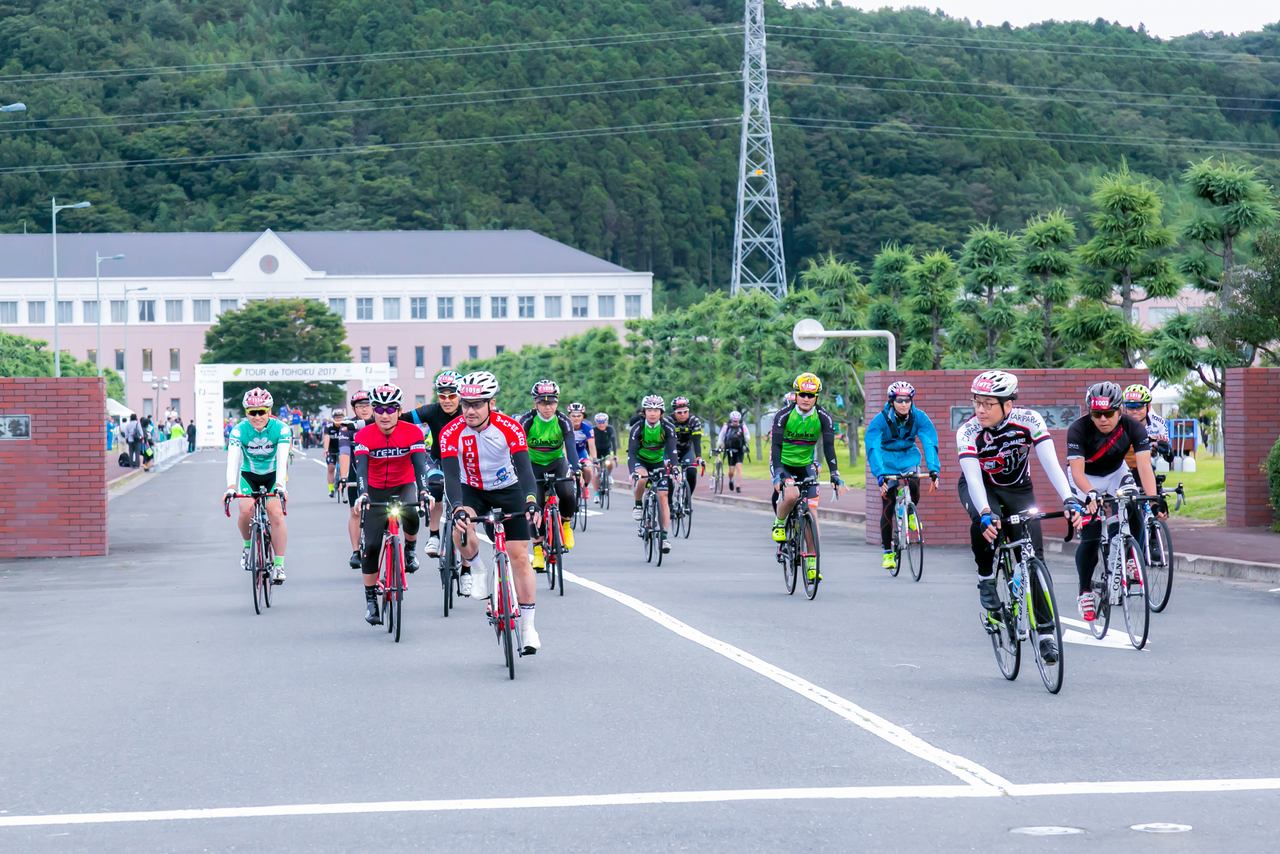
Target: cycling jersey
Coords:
[[688, 434], [332, 433], [651, 443], [549, 440], [1000, 456], [1158, 433], [258, 452], [433, 417], [891, 442], [488, 459], [387, 461], [581, 434], [734, 437], [795, 438], [606, 440], [1104, 454]]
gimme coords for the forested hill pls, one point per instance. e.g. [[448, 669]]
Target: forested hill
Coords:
[[609, 125]]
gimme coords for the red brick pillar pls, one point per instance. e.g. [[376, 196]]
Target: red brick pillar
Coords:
[[942, 394], [1250, 425], [57, 506]]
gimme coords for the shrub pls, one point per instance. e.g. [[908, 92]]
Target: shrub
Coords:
[[1273, 481]]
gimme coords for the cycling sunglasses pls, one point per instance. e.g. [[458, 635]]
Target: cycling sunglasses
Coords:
[[1135, 406], [806, 395], [447, 395], [253, 413], [386, 410], [1103, 413]]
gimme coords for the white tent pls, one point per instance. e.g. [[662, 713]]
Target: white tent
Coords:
[[116, 409]]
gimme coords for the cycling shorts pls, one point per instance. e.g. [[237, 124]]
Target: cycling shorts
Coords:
[[509, 500]]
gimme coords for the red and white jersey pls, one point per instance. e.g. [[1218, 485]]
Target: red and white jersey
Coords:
[[484, 457]]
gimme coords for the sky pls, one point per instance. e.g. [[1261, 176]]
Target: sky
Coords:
[[1164, 18]]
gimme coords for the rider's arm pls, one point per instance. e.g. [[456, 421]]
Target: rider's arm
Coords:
[[872, 440], [591, 447], [419, 461], [1048, 455], [282, 462], [697, 441], [829, 442], [453, 479], [972, 472], [524, 472], [724, 430], [570, 444], [775, 440], [1078, 476], [633, 445], [670, 451], [235, 459], [929, 441], [361, 457]]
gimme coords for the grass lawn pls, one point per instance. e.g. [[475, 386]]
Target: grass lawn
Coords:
[[1205, 488], [853, 476]]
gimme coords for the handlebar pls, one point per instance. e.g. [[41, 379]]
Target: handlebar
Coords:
[[1034, 515], [262, 494]]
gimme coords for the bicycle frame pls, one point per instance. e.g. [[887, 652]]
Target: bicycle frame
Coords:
[[504, 609]]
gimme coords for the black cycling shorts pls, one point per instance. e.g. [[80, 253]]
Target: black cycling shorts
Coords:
[[733, 456], [656, 473], [509, 500], [799, 473]]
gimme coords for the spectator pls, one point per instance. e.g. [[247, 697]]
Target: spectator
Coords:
[[133, 439], [111, 433], [176, 431], [191, 435]]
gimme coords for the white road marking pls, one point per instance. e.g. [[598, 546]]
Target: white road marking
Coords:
[[1117, 637], [1160, 827], [1047, 830], [966, 769], [834, 793]]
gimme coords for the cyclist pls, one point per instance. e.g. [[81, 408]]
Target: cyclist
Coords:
[[485, 456], [363, 412], [435, 417], [688, 429], [797, 429], [551, 449], [391, 462], [584, 441], [733, 439], [258, 456], [1097, 445], [606, 443], [995, 463], [1137, 405], [891, 450], [330, 438], [650, 451]]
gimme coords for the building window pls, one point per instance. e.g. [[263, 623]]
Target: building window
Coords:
[[446, 356], [444, 308], [524, 306], [551, 306], [580, 306], [606, 305], [1158, 315], [120, 360], [173, 310], [146, 311], [225, 305], [391, 308], [631, 304], [119, 310], [201, 310], [419, 357], [66, 311], [175, 360], [500, 349], [35, 312], [364, 308], [92, 357], [393, 357], [174, 403], [417, 308], [146, 361], [9, 311], [498, 307], [471, 308], [148, 407], [473, 351], [90, 310], [364, 355], [420, 399], [338, 305]]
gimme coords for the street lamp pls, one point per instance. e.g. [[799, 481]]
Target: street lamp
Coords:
[[157, 386], [97, 293], [809, 334], [55, 207], [125, 377], [14, 108]]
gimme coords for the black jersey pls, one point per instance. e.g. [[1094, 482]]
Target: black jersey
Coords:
[[434, 418], [1102, 453], [688, 434], [1004, 451], [606, 440]]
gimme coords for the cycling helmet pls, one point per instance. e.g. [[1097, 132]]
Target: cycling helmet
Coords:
[[577, 407], [998, 384], [478, 385], [901, 388], [789, 397], [680, 402], [735, 416], [1102, 396], [601, 418], [808, 383], [386, 395], [257, 398], [359, 396], [546, 388], [1137, 395], [652, 401], [447, 381]]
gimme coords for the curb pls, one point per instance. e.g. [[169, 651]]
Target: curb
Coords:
[[852, 517]]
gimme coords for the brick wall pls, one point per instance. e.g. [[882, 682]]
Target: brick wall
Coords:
[[1251, 424], [936, 392], [61, 510]]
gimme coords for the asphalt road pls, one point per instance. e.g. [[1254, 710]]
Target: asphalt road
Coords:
[[689, 707]]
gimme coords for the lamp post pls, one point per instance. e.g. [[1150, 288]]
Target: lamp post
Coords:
[[125, 376], [55, 207], [157, 386], [808, 334], [97, 293]]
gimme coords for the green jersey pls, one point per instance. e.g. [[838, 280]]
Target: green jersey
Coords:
[[546, 438], [796, 436], [650, 444], [258, 448]]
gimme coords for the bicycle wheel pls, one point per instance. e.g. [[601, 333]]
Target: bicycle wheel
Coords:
[[268, 562], [604, 496], [1102, 593], [1003, 627], [647, 527], [688, 514], [502, 611], [810, 560], [915, 544], [1136, 606], [899, 545], [1051, 673], [675, 505], [388, 618], [555, 557], [255, 568], [446, 572], [1159, 554]]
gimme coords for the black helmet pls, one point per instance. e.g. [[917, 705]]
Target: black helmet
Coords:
[[1102, 396]]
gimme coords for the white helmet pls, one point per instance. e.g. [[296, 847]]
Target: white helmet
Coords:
[[998, 384], [601, 418], [386, 395], [256, 398], [735, 416], [652, 401], [478, 385]]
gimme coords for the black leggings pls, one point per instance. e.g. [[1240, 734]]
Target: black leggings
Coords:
[[375, 523], [1090, 547], [565, 490], [1003, 502], [887, 502], [690, 471]]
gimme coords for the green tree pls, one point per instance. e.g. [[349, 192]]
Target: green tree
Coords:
[[888, 286], [27, 357], [1047, 262], [935, 283], [989, 270], [1232, 201], [280, 330]]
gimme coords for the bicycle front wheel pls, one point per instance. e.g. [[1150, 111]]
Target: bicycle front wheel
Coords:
[[915, 544], [1102, 592], [1051, 672], [257, 569], [807, 547], [688, 514], [1159, 555], [555, 557], [1002, 626], [1137, 608], [446, 572], [675, 502]]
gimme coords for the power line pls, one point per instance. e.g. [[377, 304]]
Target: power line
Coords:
[[375, 148], [392, 56]]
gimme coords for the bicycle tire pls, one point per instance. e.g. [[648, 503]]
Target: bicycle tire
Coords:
[[502, 612], [915, 544], [675, 508], [1002, 627], [1135, 604], [688, 513], [898, 546], [1051, 674], [255, 569], [388, 619], [605, 496], [446, 572], [1102, 592], [809, 528], [555, 558], [646, 529], [268, 555], [1160, 574]]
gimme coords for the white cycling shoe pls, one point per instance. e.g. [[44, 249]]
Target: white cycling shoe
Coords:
[[532, 643], [433, 547]]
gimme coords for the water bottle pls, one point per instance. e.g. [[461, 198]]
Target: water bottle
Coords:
[[1015, 585]]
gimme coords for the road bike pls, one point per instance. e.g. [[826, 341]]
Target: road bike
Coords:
[[579, 520], [799, 553], [503, 609], [450, 563], [553, 550], [1121, 575], [1157, 548], [906, 539], [261, 557], [604, 484], [650, 531], [392, 580], [1020, 577], [681, 500], [717, 475]]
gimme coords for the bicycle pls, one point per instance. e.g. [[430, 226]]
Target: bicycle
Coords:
[[650, 532], [261, 557], [503, 611], [1017, 567], [905, 538], [1121, 578], [604, 485], [717, 476], [553, 549], [392, 580], [799, 553], [677, 499], [450, 564], [579, 520], [1157, 548]]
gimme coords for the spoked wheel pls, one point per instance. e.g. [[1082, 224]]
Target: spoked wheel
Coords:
[[1051, 672], [1159, 557], [810, 559], [1102, 592], [899, 547], [688, 514], [675, 501], [604, 498], [717, 480], [397, 597], [256, 571], [555, 559], [647, 532], [1002, 626], [1137, 608], [915, 545], [446, 573]]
